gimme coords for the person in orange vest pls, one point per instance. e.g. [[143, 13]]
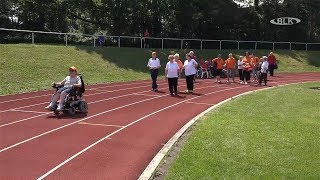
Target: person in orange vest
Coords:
[[247, 68], [255, 62], [219, 61], [179, 62], [230, 65]]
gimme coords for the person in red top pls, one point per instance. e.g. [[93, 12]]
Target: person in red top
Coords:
[[146, 35], [219, 61], [230, 65], [272, 63]]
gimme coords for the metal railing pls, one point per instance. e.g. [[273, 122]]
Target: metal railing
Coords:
[[40, 37]]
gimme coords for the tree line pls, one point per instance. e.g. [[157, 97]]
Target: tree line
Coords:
[[200, 19]]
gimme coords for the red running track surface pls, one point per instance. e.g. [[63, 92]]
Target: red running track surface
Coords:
[[126, 126]]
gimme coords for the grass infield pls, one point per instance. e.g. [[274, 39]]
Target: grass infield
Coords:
[[271, 134]]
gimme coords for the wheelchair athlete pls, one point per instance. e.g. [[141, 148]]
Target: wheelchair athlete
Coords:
[[70, 82]]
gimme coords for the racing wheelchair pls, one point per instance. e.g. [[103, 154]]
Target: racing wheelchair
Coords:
[[74, 101]]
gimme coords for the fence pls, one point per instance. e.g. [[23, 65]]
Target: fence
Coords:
[[39, 37]]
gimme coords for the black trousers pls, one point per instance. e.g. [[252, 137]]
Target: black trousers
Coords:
[[154, 76], [240, 74], [189, 80], [263, 77], [173, 85], [246, 75], [271, 69]]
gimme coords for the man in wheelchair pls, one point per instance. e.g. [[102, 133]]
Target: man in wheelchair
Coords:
[[69, 94]]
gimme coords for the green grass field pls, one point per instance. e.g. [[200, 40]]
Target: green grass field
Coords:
[[271, 134], [26, 68]]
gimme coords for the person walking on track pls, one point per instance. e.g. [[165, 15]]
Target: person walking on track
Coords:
[[264, 70], [240, 68], [179, 62], [230, 65], [219, 61], [190, 66], [272, 63], [172, 72], [247, 68], [154, 65]]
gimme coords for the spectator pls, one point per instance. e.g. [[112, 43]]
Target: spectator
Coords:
[[146, 35], [102, 40]]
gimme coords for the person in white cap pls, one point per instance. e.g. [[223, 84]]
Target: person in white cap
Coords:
[[264, 70]]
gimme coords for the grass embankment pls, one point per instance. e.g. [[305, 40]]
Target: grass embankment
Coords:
[[271, 134], [27, 68]]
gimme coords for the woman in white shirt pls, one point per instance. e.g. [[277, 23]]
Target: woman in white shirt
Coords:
[[190, 66], [240, 68], [172, 74], [264, 70], [154, 65]]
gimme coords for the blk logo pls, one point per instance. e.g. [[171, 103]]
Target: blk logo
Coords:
[[285, 21]]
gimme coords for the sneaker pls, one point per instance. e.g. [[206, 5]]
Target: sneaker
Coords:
[[190, 91], [241, 82], [186, 91], [59, 108], [49, 108], [246, 83]]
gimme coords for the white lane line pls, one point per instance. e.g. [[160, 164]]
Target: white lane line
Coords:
[[104, 92], [85, 96], [149, 95], [154, 163], [32, 97], [37, 112], [93, 124], [200, 103], [75, 122], [124, 127], [26, 119]]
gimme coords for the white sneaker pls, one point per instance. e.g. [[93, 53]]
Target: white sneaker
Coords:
[[245, 83], [49, 108], [59, 108]]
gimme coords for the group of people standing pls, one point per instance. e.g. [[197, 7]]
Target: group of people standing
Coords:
[[247, 66], [173, 70]]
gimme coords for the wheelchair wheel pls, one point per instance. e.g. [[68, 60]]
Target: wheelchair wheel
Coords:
[[83, 107], [72, 111]]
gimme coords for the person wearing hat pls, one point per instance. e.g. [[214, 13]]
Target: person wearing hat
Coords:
[[264, 70], [68, 83]]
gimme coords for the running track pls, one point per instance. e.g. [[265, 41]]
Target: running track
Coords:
[[126, 126]]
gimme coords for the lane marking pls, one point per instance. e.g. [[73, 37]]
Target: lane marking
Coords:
[[117, 131], [75, 122], [26, 119], [200, 103], [106, 125], [154, 163], [37, 112], [32, 97]]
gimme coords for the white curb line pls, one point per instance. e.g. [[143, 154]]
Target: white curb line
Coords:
[[150, 169]]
